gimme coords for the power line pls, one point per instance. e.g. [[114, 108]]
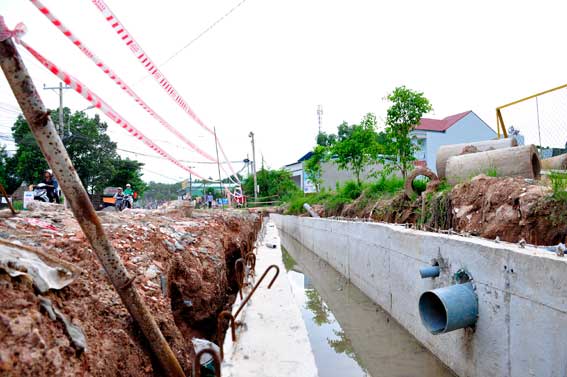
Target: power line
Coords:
[[205, 31], [196, 38], [186, 161]]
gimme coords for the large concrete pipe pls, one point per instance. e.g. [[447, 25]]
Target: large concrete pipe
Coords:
[[447, 151], [555, 163], [449, 308], [520, 161]]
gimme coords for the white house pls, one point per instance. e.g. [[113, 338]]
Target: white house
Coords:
[[430, 134]]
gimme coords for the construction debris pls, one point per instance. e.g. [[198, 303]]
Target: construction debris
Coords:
[[199, 271], [46, 272]]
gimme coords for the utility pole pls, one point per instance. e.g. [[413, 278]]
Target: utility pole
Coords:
[[60, 88], [61, 130], [218, 162], [320, 116], [251, 135], [190, 186]]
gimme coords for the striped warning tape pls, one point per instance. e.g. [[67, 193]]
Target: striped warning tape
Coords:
[[100, 104], [114, 77], [154, 71]]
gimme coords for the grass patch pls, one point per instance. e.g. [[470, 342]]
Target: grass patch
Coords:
[[389, 185], [558, 184], [492, 172]]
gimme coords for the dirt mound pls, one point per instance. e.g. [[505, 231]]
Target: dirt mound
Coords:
[[180, 265], [509, 208]]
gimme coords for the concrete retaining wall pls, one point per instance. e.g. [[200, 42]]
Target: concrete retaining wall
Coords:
[[522, 325]]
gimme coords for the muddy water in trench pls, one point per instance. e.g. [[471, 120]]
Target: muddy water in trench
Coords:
[[349, 334]]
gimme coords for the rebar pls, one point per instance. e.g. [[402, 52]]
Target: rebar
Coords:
[[44, 131], [250, 259], [197, 362], [256, 287], [240, 274], [232, 323]]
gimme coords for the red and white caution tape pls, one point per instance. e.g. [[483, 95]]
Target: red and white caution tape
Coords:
[[152, 68], [99, 103], [114, 77], [6, 33]]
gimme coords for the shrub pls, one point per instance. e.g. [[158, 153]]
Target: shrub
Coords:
[[558, 184], [385, 185]]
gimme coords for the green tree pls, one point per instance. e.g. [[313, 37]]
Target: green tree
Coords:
[[276, 183], [90, 149], [29, 163], [404, 114], [326, 140], [161, 191], [313, 167], [7, 177], [128, 171], [357, 145]]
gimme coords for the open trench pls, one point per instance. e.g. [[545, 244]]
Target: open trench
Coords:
[[184, 269], [196, 301]]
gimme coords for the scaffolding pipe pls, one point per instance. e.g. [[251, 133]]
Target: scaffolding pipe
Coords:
[[44, 131]]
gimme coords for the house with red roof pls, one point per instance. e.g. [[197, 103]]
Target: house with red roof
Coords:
[[430, 134]]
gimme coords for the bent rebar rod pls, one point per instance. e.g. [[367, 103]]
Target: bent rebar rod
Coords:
[[256, 287], [197, 362], [222, 315], [240, 274]]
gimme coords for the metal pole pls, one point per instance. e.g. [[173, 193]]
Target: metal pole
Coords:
[[190, 186], [251, 134], [538, 128], [218, 162], [44, 131], [61, 120]]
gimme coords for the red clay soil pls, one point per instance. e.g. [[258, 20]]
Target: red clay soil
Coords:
[[191, 253], [510, 209]]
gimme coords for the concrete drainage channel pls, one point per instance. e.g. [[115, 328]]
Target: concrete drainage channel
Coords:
[[350, 335], [300, 317], [484, 308]]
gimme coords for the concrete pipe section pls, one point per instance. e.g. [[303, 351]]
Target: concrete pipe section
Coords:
[[449, 308]]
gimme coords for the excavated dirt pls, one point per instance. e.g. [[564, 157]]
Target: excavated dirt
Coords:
[[511, 209], [187, 256]]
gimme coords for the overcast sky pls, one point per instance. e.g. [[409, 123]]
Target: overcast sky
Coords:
[[267, 66]]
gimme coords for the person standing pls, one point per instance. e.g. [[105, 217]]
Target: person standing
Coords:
[[210, 200]]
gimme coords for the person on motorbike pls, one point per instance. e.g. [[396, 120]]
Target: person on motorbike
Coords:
[[118, 197], [129, 194], [51, 186]]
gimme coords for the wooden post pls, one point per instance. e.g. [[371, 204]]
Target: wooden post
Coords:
[[5, 194], [56, 155]]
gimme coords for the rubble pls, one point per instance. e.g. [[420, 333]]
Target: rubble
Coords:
[[175, 260]]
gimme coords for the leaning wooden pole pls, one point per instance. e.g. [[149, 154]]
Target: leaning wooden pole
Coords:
[[50, 144]]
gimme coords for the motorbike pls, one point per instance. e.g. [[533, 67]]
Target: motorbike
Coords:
[[123, 202], [40, 193]]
